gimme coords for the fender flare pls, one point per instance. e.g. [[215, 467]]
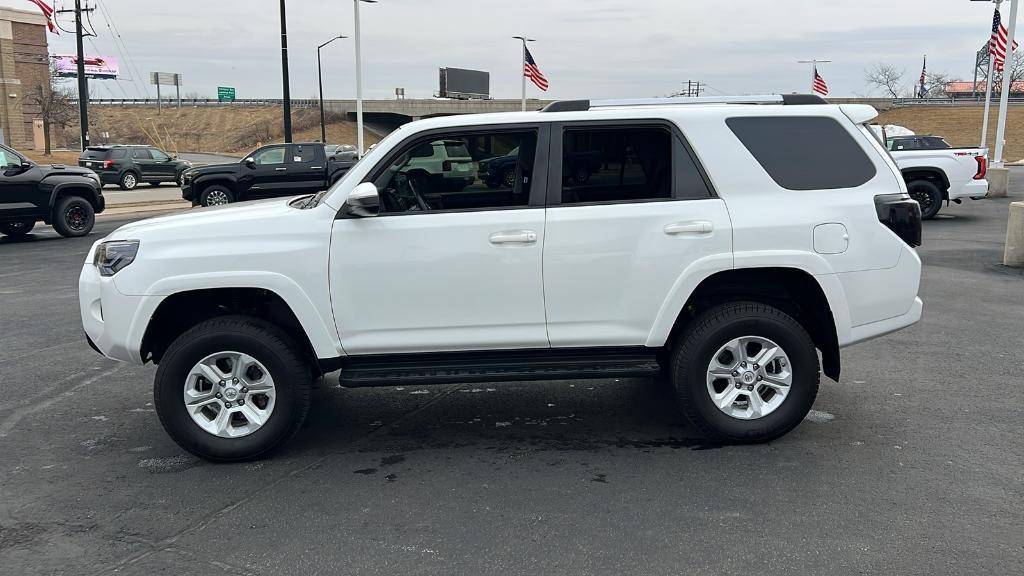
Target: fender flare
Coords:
[[88, 191], [700, 270], [323, 338]]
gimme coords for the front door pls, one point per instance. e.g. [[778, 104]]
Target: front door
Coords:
[[268, 177], [19, 188], [445, 268], [163, 170], [629, 211]]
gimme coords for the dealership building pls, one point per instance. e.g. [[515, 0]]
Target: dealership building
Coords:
[[24, 65]]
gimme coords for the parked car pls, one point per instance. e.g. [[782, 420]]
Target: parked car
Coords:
[[681, 258], [268, 172], [341, 152], [128, 165], [936, 172], [67, 198], [440, 165]]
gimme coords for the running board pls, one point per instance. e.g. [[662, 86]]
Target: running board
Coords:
[[497, 366]]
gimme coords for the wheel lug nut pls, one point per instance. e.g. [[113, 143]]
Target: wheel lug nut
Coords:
[[222, 382], [750, 387], [759, 378], [744, 364], [235, 380], [735, 373], [227, 404], [739, 385], [244, 390], [218, 394], [756, 366], [241, 402]]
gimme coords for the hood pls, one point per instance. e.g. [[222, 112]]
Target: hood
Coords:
[[52, 169], [214, 169], [228, 219]]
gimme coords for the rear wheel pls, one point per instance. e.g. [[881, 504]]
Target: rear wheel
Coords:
[[73, 217], [129, 180], [17, 227], [745, 372], [928, 195], [215, 196], [232, 388]]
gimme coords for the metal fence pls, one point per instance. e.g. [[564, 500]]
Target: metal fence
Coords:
[[966, 101], [303, 103]]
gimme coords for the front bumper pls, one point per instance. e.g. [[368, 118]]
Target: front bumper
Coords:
[[973, 189], [107, 315]]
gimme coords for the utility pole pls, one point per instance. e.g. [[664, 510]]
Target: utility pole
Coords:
[[83, 84], [284, 77]]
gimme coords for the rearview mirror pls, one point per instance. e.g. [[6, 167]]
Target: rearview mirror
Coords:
[[363, 201], [250, 162]]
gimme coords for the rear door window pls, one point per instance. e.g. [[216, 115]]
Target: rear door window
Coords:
[[302, 153], [804, 152]]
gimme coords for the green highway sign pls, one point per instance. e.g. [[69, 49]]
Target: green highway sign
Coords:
[[225, 93]]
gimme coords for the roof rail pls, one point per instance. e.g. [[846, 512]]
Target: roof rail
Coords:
[[582, 105]]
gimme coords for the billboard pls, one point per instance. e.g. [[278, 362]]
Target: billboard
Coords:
[[95, 66], [465, 84]]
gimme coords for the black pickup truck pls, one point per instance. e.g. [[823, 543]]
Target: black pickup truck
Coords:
[[270, 171], [68, 198]]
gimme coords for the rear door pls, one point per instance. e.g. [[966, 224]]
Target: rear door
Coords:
[[307, 168], [629, 210]]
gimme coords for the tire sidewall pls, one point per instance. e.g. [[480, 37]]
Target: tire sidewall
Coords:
[[168, 390], [26, 226], [691, 378], [60, 223], [935, 195]]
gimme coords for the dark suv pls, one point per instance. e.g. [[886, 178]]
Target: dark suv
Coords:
[[128, 165]]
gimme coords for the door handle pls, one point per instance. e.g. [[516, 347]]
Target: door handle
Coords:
[[316, 167], [694, 227], [514, 237], [280, 169]]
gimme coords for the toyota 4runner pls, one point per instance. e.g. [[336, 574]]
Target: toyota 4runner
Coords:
[[730, 247]]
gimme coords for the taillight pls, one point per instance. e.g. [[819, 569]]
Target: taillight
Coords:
[[902, 215], [982, 167], [446, 166], [108, 163]]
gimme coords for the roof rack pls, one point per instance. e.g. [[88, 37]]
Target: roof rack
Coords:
[[583, 105]]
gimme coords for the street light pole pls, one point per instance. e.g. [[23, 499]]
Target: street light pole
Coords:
[[284, 77], [1004, 97], [522, 69], [359, 82], [320, 78]]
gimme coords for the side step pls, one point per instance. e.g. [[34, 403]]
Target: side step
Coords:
[[498, 366]]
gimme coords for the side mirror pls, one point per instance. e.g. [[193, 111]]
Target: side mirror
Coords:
[[363, 201], [26, 166], [250, 162]]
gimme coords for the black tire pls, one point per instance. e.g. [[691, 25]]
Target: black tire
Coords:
[[73, 217], [263, 341], [129, 181], [17, 227], [212, 195], [179, 178], [928, 195], [712, 330]]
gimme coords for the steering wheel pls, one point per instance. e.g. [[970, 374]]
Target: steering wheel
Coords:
[[420, 201]]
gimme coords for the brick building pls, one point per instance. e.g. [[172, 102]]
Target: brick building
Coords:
[[24, 65]]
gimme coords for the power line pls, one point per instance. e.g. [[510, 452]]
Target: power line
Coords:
[[125, 53], [123, 91]]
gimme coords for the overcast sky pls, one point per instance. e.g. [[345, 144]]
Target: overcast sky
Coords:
[[586, 48]]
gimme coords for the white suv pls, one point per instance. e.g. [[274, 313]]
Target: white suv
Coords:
[[721, 244]]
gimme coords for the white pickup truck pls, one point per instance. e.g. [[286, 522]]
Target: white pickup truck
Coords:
[[933, 170]]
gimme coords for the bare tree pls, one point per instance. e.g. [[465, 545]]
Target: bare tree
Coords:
[[935, 84], [55, 103], [886, 77]]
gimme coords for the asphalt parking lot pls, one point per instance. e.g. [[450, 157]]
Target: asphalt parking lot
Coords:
[[911, 465]]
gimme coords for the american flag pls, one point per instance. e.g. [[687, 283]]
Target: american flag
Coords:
[[922, 91], [531, 71], [819, 85], [997, 46], [48, 13]]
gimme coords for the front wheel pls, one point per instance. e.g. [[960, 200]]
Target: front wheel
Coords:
[[745, 372], [73, 217], [928, 195], [232, 388], [216, 196], [17, 227]]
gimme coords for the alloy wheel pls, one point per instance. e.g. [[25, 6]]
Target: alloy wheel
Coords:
[[749, 377], [216, 198], [76, 218], [229, 394]]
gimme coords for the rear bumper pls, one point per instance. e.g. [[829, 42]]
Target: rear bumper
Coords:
[[889, 325], [973, 189], [109, 177], [882, 301]]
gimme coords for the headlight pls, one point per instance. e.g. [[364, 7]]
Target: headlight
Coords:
[[114, 255]]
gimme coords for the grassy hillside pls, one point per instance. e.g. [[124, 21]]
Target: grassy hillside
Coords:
[[229, 130], [961, 125]]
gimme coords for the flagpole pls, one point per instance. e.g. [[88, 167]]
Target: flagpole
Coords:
[[1004, 97], [988, 90], [522, 72], [814, 68]]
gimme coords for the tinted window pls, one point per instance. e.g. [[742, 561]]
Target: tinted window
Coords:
[[118, 153], [94, 153], [804, 153], [303, 153], [5, 163], [273, 155], [158, 155], [935, 143], [141, 154], [489, 171], [616, 164]]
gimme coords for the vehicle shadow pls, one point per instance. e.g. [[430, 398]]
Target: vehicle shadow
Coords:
[[563, 416]]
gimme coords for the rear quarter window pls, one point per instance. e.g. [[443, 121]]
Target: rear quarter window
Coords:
[[118, 153], [804, 152]]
